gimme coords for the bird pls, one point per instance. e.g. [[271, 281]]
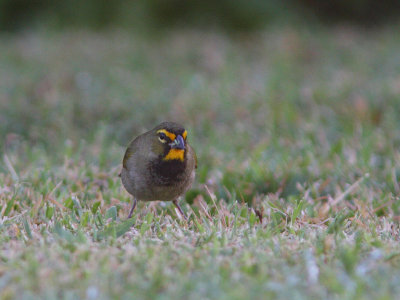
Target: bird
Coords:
[[159, 165]]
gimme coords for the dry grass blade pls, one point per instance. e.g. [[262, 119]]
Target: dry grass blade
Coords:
[[10, 168], [213, 198], [349, 190]]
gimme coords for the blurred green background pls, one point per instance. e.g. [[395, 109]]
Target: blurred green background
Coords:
[[271, 91], [155, 14]]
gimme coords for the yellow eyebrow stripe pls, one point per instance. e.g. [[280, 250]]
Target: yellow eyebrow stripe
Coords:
[[184, 134], [171, 135]]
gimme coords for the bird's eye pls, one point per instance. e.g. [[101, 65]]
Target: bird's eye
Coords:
[[162, 137]]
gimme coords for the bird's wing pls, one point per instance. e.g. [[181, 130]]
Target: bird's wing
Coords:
[[132, 148]]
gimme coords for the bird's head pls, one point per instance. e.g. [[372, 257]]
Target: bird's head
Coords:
[[169, 141]]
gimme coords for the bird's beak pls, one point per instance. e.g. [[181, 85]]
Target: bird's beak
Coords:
[[178, 143]]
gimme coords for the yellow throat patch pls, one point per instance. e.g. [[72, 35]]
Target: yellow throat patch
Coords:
[[175, 154]]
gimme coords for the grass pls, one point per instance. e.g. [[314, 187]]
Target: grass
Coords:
[[297, 190]]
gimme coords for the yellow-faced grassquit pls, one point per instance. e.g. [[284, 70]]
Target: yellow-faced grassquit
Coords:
[[159, 165]]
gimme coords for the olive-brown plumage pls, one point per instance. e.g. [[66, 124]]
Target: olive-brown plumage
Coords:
[[159, 165]]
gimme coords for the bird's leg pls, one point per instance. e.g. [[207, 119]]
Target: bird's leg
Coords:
[[179, 208], [133, 207]]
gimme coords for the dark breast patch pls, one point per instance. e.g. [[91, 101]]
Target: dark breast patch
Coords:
[[167, 172]]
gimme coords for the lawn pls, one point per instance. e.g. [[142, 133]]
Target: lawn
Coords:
[[297, 191]]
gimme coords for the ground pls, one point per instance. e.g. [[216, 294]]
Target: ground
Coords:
[[297, 190]]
